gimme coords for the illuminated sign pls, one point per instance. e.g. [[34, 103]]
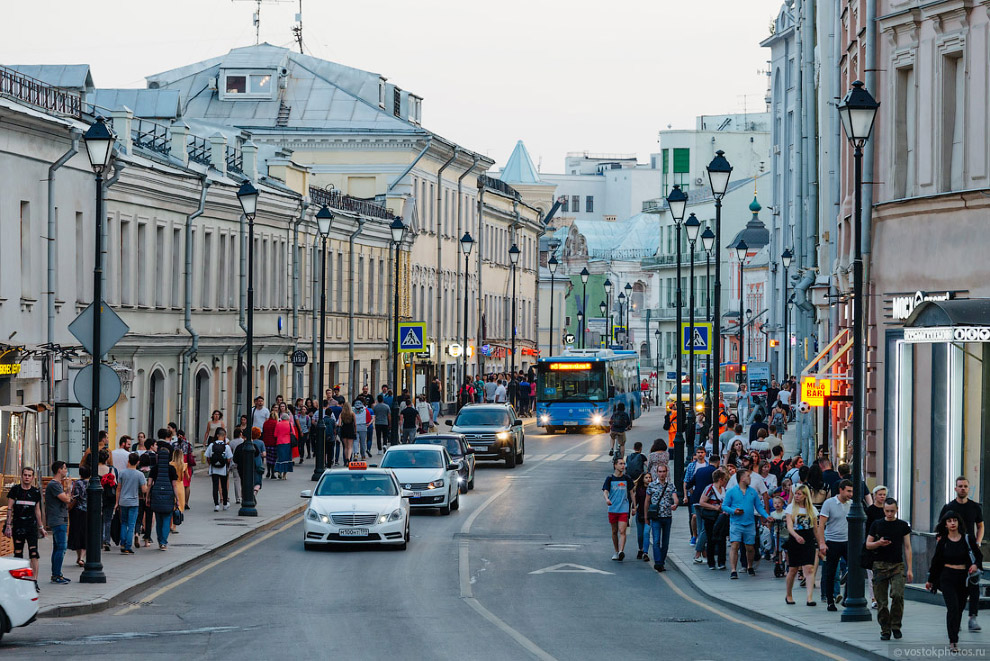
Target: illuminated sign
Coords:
[[569, 367], [8, 363], [526, 351], [454, 350], [903, 306], [814, 391]]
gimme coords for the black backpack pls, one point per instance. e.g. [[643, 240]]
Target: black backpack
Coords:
[[635, 465], [218, 454]]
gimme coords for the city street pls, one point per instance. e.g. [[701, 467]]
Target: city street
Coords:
[[465, 588]]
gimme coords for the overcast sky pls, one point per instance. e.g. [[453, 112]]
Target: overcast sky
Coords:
[[562, 75]]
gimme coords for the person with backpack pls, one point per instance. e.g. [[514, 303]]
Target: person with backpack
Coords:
[[218, 456], [161, 499], [635, 467], [617, 426]]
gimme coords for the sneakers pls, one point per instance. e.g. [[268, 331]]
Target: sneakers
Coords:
[[615, 556], [712, 568], [884, 636], [646, 558], [973, 624], [216, 508], [897, 634], [721, 567], [60, 580], [698, 560], [659, 568], [622, 556], [831, 607], [694, 540], [752, 572], [226, 506], [611, 453], [639, 555], [734, 576]]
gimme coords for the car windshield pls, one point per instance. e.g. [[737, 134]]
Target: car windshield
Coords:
[[412, 459], [356, 484], [728, 387], [478, 417], [452, 444]]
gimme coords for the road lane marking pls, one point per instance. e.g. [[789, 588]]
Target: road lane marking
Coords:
[[554, 457], [535, 457], [570, 568], [769, 632], [174, 584], [589, 457]]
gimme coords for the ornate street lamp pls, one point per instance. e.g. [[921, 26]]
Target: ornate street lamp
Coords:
[[584, 302], [692, 226], [741, 250], [719, 172], [785, 259], [247, 197], [677, 202], [514, 259], [467, 245], [324, 219], [858, 111], [708, 243], [552, 264], [398, 230]]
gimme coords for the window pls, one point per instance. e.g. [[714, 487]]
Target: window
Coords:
[[80, 268], [576, 203], [248, 84], [682, 167], [159, 260], [381, 92], [176, 266], [26, 249], [566, 203], [359, 308], [904, 132], [953, 118], [589, 204], [206, 268], [142, 264], [397, 102], [125, 262], [222, 273]]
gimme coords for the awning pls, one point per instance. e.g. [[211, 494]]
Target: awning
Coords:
[[843, 340], [957, 320]]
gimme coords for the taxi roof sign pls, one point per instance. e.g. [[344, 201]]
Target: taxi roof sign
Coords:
[[357, 466]]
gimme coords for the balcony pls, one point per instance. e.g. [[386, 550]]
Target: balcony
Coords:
[[35, 93], [336, 200], [670, 314], [656, 261]]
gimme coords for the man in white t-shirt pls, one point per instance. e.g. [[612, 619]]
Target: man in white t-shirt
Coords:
[[500, 393], [120, 454], [259, 414], [784, 397]]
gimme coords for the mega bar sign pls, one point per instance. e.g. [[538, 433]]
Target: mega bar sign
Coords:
[[814, 391]]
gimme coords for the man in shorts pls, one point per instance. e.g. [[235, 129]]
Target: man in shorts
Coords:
[[24, 522], [618, 492], [742, 504]]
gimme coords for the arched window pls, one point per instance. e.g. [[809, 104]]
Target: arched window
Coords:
[[156, 403], [201, 408], [271, 391], [644, 351]]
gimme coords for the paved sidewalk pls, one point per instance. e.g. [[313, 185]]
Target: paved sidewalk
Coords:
[[202, 534]]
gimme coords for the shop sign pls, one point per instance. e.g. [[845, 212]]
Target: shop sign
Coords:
[[526, 351], [814, 391], [903, 306], [454, 350], [947, 334], [9, 363]]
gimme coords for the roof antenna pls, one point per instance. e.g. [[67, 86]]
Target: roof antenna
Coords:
[[256, 18], [297, 29]]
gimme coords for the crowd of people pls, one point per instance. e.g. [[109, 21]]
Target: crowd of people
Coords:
[[748, 504], [518, 389]]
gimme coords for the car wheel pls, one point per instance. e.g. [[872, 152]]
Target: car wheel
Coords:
[[463, 486], [456, 505], [405, 539], [445, 510], [471, 482], [550, 429], [510, 459], [522, 451]]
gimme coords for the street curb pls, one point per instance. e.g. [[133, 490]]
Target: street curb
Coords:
[[102, 604], [753, 614]]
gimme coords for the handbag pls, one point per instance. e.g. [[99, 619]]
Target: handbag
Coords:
[[178, 516]]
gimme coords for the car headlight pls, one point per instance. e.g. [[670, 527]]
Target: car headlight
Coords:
[[313, 515], [396, 515], [503, 435], [435, 484]]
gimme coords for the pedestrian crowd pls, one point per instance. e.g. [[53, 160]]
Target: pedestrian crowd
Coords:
[[748, 504]]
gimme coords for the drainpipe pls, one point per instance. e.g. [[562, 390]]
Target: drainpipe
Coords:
[[869, 150], [187, 307], [313, 374], [801, 292], [457, 261], [118, 167], [536, 301], [426, 148], [75, 134], [439, 218], [481, 251], [350, 306], [295, 286]]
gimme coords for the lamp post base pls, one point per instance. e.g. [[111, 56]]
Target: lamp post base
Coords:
[[321, 450], [93, 573], [856, 610]]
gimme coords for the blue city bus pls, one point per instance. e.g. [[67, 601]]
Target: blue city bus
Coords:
[[580, 388]]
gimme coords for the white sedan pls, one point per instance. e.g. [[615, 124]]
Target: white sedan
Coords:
[[428, 472], [356, 505], [18, 594]]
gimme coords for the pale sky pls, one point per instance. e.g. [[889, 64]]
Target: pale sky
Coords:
[[562, 75]]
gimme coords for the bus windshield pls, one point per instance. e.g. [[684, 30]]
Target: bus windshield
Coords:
[[579, 382]]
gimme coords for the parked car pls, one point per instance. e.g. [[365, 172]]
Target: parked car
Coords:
[[730, 393], [459, 450], [493, 430], [428, 472], [18, 594]]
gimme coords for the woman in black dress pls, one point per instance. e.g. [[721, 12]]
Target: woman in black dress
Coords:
[[956, 561], [77, 516], [801, 545]]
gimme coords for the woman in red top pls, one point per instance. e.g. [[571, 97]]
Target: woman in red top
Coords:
[[268, 438], [283, 446]]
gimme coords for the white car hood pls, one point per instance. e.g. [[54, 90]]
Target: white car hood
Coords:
[[409, 475], [377, 504]]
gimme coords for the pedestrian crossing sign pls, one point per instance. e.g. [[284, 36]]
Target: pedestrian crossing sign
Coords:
[[412, 336], [700, 334]]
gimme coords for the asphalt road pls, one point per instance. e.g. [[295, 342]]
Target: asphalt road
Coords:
[[463, 590]]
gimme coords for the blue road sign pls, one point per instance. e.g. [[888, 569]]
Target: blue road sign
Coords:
[[701, 335], [412, 336]]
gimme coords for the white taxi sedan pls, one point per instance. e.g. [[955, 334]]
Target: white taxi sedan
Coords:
[[18, 594], [356, 505], [428, 472]]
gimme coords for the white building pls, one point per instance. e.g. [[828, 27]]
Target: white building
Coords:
[[604, 186]]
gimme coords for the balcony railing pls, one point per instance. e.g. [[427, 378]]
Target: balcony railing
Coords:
[[498, 185], [235, 160], [335, 200], [670, 313], [151, 135], [199, 150], [671, 260], [33, 92]]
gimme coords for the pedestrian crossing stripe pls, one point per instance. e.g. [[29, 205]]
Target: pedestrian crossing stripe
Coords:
[[412, 336]]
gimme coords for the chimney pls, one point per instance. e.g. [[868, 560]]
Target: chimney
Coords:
[[218, 152], [249, 150], [122, 126], [178, 146]]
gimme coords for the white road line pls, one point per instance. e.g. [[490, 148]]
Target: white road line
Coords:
[[554, 457], [589, 457], [535, 457]]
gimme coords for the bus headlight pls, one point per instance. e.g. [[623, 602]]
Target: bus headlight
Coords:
[[596, 419], [545, 419]]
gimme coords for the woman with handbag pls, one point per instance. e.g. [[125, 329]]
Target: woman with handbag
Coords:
[[161, 499], [956, 561], [182, 470], [710, 507], [801, 545]]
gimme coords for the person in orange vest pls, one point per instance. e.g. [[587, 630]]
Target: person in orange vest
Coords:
[[670, 422], [723, 418]]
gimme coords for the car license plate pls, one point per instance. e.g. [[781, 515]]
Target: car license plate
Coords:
[[353, 532], [417, 494], [571, 422]]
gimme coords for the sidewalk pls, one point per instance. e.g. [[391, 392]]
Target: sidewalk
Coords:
[[202, 534]]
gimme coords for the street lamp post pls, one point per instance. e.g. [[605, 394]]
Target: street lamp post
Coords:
[[858, 111], [785, 259], [398, 230], [99, 147], [608, 309], [324, 218], [467, 244], [657, 335], [602, 308], [584, 304], [622, 305], [741, 250], [692, 226], [708, 243], [514, 259], [628, 289], [552, 264], [677, 202], [580, 318], [247, 196], [719, 171]]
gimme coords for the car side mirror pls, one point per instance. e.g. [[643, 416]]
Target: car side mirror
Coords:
[[470, 451], [306, 494], [517, 422], [407, 494], [453, 467], [449, 423]]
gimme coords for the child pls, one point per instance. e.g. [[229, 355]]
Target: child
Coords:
[[777, 525]]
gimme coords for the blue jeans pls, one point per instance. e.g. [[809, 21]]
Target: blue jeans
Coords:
[[660, 529], [128, 519], [163, 523], [702, 540], [641, 537], [436, 410], [59, 541], [107, 521]]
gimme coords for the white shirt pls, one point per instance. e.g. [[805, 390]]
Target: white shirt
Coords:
[[120, 458], [258, 418], [500, 393], [784, 396], [771, 481], [227, 453]]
